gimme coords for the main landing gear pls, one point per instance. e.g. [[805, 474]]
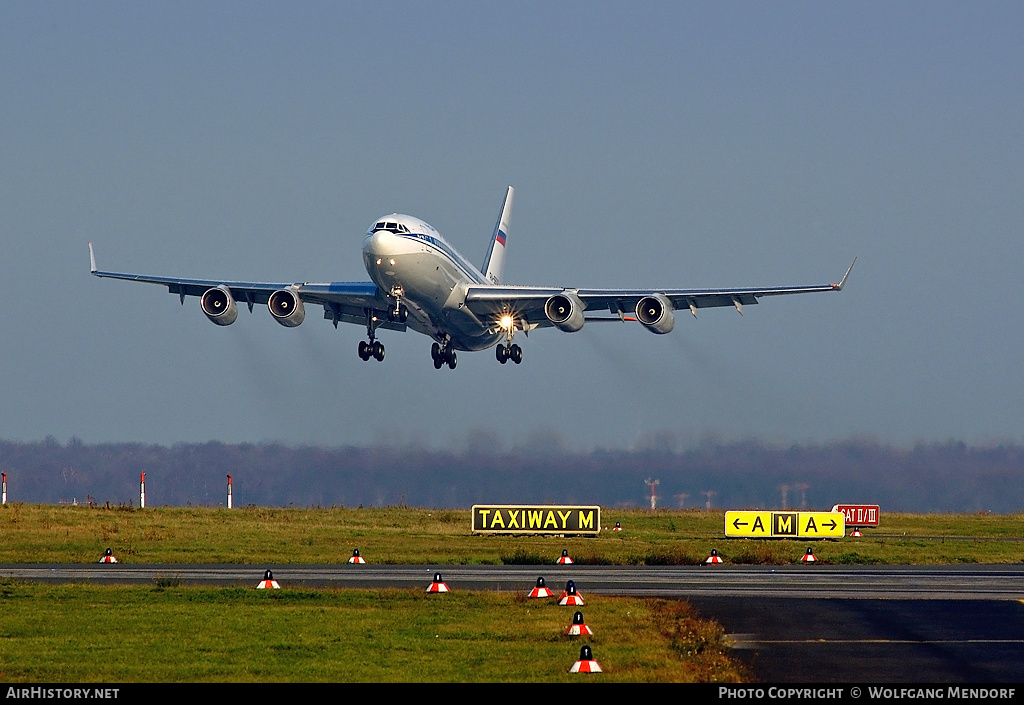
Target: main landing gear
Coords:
[[374, 349], [398, 313], [443, 355], [508, 350], [512, 352]]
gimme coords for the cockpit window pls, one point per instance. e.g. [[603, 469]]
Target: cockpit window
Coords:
[[393, 227]]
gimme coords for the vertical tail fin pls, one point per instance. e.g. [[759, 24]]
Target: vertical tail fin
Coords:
[[494, 263]]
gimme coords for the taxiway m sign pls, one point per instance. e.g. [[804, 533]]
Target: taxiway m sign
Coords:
[[782, 525], [535, 519]]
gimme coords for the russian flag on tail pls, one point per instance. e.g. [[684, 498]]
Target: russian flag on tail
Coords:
[[494, 263]]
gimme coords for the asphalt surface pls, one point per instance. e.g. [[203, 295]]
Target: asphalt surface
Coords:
[[794, 640], [789, 624]]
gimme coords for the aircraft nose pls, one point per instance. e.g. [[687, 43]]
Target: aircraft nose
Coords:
[[379, 243]]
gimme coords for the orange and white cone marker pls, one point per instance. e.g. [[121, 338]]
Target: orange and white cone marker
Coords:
[[356, 558], [438, 585], [808, 557], [541, 590], [855, 533], [586, 664], [570, 596], [579, 627], [268, 582], [565, 560], [618, 527], [108, 557], [713, 558]]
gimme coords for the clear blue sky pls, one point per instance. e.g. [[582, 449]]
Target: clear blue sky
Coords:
[[653, 144]]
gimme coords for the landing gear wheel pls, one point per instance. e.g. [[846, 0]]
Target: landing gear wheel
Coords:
[[443, 355], [501, 353], [398, 315], [515, 353], [373, 348]]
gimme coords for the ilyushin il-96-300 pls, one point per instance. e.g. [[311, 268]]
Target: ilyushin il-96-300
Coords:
[[419, 281]]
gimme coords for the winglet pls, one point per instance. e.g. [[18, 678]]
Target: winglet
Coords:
[[842, 282], [92, 260]]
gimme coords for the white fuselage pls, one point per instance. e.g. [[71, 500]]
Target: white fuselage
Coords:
[[409, 258]]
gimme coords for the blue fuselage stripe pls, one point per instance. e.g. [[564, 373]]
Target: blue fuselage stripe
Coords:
[[450, 254]]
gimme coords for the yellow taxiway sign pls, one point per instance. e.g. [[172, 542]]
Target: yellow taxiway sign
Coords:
[[778, 525]]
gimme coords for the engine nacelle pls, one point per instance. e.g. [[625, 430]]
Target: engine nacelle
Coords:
[[565, 310], [219, 305], [286, 308], [655, 313]]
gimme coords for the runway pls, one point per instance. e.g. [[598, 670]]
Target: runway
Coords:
[[810, 624], [976, 582]]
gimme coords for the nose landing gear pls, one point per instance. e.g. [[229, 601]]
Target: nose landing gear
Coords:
[[398, 313]]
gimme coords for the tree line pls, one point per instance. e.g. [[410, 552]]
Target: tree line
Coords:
[[928, 477]]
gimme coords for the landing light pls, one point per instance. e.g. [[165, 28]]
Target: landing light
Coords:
[[506, 322]]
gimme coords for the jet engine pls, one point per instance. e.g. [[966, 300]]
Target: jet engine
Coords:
[[219, 305], [286, 307], [655, 313], [565, 310]]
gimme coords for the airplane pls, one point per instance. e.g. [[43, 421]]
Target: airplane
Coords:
[[419, 281]]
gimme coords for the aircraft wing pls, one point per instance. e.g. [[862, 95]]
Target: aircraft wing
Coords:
[[342, 301], [526, 304], [349, 302]]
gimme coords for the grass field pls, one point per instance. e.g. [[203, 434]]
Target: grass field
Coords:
[[167, 633], [64, 534], [89, 633]]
